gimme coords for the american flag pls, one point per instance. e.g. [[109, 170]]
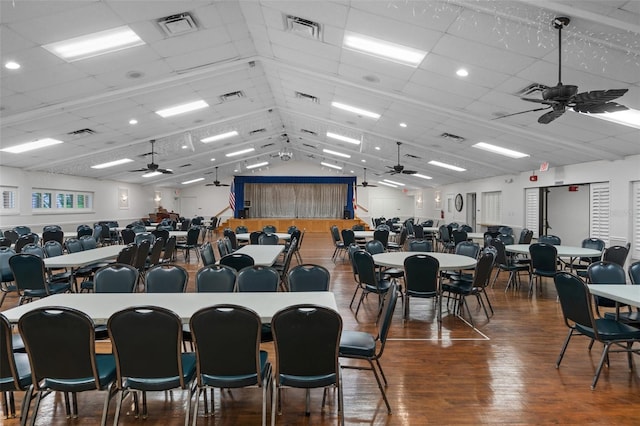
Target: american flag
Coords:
[[232, 196]]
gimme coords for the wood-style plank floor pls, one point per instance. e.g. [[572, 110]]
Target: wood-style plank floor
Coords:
[[503, 372]]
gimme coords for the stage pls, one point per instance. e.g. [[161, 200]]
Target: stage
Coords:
[[282, 224]]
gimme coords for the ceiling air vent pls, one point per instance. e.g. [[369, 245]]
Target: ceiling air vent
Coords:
[[185, 165], [82, 132], [176, 25], [231, 96], [267, 145], [302, 27], [309, 146], [255, 132], [453, 137], [306, 97], [310, 132]]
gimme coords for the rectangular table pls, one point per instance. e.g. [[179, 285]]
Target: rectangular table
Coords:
[[83, 258], [623, 293], [100, 306], [262, 255]]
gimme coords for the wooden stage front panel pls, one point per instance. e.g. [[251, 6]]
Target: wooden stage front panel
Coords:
[[282, 224]]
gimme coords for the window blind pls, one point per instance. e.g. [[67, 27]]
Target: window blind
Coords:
[[532, 210], [599, 211]]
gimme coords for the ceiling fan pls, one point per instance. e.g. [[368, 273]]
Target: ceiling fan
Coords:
[[216, 182], [560, 97], [152, 166], [364, 183], [399, 168]]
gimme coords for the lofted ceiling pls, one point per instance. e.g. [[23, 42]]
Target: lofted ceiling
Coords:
[[287, 77]]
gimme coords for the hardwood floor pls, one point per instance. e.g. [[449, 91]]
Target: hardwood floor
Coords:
[[503, 372]]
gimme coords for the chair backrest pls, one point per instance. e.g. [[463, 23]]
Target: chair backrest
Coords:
[[575, 300], [525, 236], [166, 279], [443, 230], [11, 235], [216, 279], [5, 242], [128, 235], [237, 260], [350, 250], [465, 228], [29, 272], [156, 252], [427, 223], [22, 230], [268, 239], [33, 249], [335, 233], [603, 272], [595, 244], [147, 343], [374, 246], [258, 278], [505, 230], [239, 357], [382, 236], [73, 245], [550, 239], [88, 242], [418, 232], [270, 229], [634, 272], [141, 255], [192, 236], [409, 225], [365, 267], [185, 225], [348, 237], [420, 245], [483, 269], [387, 310], [223, 250], [53, 235], [307, 343], [241, 229], [144, 236], [139, 228], [543, 256], [421, 274], [501, 253], [23, 240], [291, 229], [53, 248], [9, 375], [308, 277], [169, 248], [507, 239], [128, 254], [458, 236], [83, 230], [383, 227], [468, 248], [115, 278], [60, 342], [97, 232], [207, 254], [5, 270], [615, 254], [254, 237], [232, 238], [161, 233]]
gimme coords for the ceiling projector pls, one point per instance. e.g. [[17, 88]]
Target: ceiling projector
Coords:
[[285, 155]]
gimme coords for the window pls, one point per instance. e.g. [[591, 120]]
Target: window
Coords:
[[60, 201], [635, 208], [599, 212], [492, 208], [531, 209], [9, 199]]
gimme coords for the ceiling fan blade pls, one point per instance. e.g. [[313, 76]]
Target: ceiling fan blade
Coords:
[[598, 96], [409, 172], [209, 184], [145, 154], [223, 184], [165, 171], [550, 116], [139, 170], [521, 112], [540, 101], [599, 108]]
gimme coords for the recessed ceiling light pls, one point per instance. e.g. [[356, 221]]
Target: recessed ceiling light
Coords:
[[421, 176], [181, 109], [133, 121], [12, 65], [383, 49], [499, 150], [403, 124], [41, 143], [256, 165], [213, 159], [377, 148], [112, 163], [339, 154], [219, 136], [386, 183], [244, 151], [393, 182], [184, 147], [193, 181], [355, 110], [462, 72], [151, 174], [333, 166], [629, 117], [363, 160], [343, 138], [95, 44], [446, 166]]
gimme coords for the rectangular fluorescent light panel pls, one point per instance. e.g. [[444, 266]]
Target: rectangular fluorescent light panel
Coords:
[[95, 44], [387, 184], [253, 166], [244, 151], [629, 117], [339, 154], [446, 166], [499, 150], [343, 138], [112, 163], [355, 110], [421, 176], [219, 136], [393, 182], [151, 174], [193, 181], [333, 166], [29, 146], [181, 109], [383, 49]]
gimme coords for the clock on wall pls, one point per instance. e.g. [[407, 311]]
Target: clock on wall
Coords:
[[459, 202]]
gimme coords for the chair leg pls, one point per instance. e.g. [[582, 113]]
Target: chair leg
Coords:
[[382, 391], [564, 348], [362, 295], [354, 295], [35, 409], [605, 353]]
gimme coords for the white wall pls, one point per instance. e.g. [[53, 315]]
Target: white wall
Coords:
[[568, 214]]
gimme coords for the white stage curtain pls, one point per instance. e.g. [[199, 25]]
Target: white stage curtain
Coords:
[[299, 200]]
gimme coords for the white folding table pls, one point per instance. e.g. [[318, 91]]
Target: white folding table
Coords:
[[264, 255]]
